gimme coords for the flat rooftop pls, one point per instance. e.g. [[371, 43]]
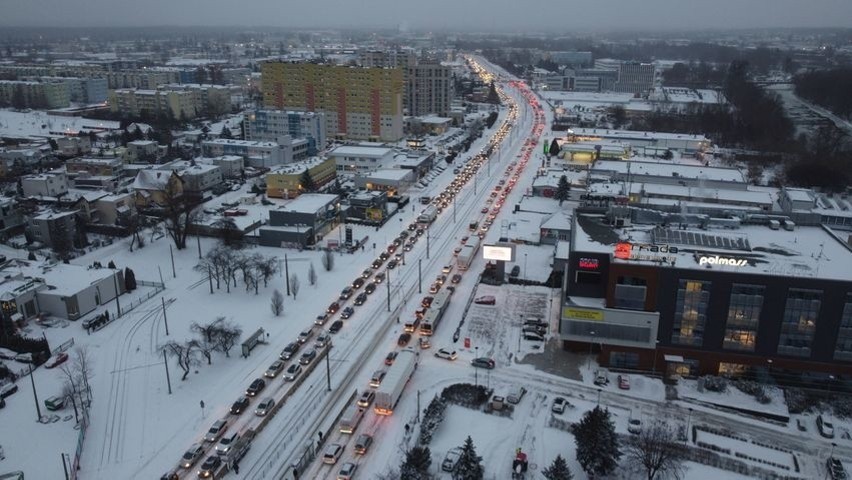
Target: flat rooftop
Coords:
[[360, 151], [636, 134], [309, 202], [396, 174], [811, 252], [668, 169]]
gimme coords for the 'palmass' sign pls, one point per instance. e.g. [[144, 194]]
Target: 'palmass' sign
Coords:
[[717, 260]]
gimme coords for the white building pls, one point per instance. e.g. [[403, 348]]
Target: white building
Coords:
[[361, 158], [259, 154], [48, 184], [270, 125]]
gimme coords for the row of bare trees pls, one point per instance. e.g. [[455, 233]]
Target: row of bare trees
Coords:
[[226, 265], [216, 336]]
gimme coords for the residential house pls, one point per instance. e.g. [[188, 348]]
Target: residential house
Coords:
[[154, 188]]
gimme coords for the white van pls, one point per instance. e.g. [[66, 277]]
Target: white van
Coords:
[[228, 441], [515, 395]]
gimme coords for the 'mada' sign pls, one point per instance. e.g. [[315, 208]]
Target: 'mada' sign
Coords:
[[717, 260]]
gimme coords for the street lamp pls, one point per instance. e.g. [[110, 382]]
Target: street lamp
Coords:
[[592, 333], [525, 266], [688, 419]]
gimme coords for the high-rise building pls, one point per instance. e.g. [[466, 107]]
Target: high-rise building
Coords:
[[389, 58], [270, 125], [45, 94], [635, 77], [359, 103], [428, 89]]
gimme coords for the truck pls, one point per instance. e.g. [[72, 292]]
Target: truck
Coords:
[[428, 214], [394, 382], [351, 418], [468, 253], [436, 312]]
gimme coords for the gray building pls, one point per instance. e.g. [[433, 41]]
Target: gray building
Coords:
[[57, 230], [270, 125], [302, 222], [428, 89]]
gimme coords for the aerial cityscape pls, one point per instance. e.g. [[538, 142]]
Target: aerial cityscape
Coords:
[[476, 240]]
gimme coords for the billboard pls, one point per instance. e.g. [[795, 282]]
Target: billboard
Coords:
[[504, 253]]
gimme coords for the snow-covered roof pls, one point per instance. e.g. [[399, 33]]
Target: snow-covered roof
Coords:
[[668, 169], [360, 151], [637, 134], [36, 124], [395, 174], [151, 180], [297, 167], [561, 220], [309, 202]]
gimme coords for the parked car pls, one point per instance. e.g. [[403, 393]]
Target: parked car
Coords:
[[634, 426], [391, 356], [451, 460], [209, 467], [601, 378], [516, 270], [624, 382], [308, 356], [256, 387], [56, 360], [483, 362], [533, 336], [216, 430], [240, 405], [332, 453], [292, 372], [361, 298], [835, 469], [826, 428], [403, 339], [347, 313], [446, 354], [336, 326], [274, 369], [485, 300], [347, 471], [559, 404], [362, 444], [195, 452], [366, 398], [264, 407], [289, 350]]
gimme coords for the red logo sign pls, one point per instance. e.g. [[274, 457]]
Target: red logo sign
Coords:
[[589, 263], [622, 250]]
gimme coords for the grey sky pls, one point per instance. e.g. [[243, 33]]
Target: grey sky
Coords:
[[507, 15]]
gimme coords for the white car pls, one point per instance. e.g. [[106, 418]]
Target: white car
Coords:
[[292, 372], [446, 354], [346, 471], [634, 426], [559, 405], [332, 453]]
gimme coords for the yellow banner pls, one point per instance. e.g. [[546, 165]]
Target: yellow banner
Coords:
[[582, 314]]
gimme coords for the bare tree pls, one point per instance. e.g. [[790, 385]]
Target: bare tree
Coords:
[[185, 353], [227, 335], [294, 285], [206, 343], [277, 303], [312, 275], [179, 212], [656, 453], [328, 260], [266, 267]]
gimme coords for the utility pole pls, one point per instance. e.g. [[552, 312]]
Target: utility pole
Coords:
[[168, 379], [117, 293], [171, 254], [287, 274], [454, 209], [165, 319], [198, 237], [35, 396], [427, 243], [388, 284], [328, 368], [210, 278], [419, 275]]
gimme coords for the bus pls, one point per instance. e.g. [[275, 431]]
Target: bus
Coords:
[[428, 214], [436, 311]]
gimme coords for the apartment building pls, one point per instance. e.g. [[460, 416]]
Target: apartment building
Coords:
[[428, 89], [259, 154], [359, 103], [80, 90], [48, 184], [285, 181], [269, 125], [135, 102], [28, 94]]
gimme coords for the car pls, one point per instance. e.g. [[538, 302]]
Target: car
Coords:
[[336, 326], [384, 256], [347, 471], [601, 378], [624, 382], [216, 430], [346, 293], [321, 319], [358, 283], [485, 300], [391, 356], [370, 288], [412, 227], [361, 298], [427, 301], [446, 354], [347, 313], [533, 336], [274, 369], [434, 288], [419, 232], [457, 278], [195, 452], [306, 335], [379, 278], [376, 379], [322, 341], [424, 342], [457, 251], [366, 273], [366, 398], [634, 426], [289, 350], [209, 467], [826, 428], [377, 263], [264, 407], [256, 387], [333, 308], [391, 248], [516, 270], [308, 357], [332, 453], [835, 469], [292, 372], [403, 339], [483, 362], [56, 360], [559, 404], [240, 405], [392, 263], [172, 474], [464, 240], [451, 460], [440, 279], [408, 247], [484, 210], [447, 268], [403, 235]]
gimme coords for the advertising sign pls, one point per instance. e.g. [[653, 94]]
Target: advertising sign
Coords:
[[499, 253], [582, 314]]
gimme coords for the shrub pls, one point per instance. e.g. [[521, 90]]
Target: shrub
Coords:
[[798, 401], [715, 384], [465, 394]]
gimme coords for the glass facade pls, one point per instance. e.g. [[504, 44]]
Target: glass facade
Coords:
[[799, 322], [630, 293], [844, 335], [690, 314], [743, 317]]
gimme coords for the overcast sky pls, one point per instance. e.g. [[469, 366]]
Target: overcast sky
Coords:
[[507, 15]]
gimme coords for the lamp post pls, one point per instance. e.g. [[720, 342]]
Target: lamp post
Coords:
[[476, 370], [688, 420], [525, 266], [591, 343], [769, 368]]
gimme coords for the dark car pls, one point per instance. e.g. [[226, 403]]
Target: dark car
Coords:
[[377, 263], [403, 339], [358, 283], [289, 350], [361, 298], [384, 256], [483, 362], [347, 312], [427, 301], [370, 288], [346, 293], [336, 326], [209, 467], [333, 308], [240, 405], [256, 387], [392, 264], [390, 358], [379, 278]]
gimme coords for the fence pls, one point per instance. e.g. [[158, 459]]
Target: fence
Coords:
[[84, 424], [158, 287]]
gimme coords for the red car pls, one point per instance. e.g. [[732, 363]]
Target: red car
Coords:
[[624, 382], [56, 360]]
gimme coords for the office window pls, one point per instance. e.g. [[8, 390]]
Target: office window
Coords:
[[630, 293], [690, 313], [624, 360], [843, 351], [799, 322], [743, 317]]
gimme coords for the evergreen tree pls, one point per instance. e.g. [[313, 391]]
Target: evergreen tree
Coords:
[[470, 464], [226, 133], [597, 444], [558, 470], [493, 97], [129, 279], [563, 189], [554, 148], [111, 264], [306, 182], [31, 255], [416, 464]]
